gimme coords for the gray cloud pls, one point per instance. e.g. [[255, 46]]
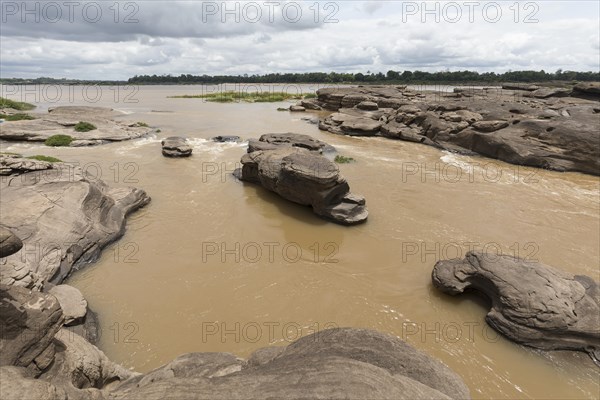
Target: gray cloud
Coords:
[[176, 37]]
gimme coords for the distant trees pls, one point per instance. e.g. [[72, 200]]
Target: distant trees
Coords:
[[414, 77]]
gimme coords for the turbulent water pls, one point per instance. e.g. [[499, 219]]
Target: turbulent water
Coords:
[[216, 265]]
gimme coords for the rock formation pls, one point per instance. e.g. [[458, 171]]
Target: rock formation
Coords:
[[62, 120], [531, 303], [293, 167], [63, 217], [332, 364], [176, 146], [539, 127]]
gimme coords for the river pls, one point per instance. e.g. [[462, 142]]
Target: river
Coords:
[[213, 264]]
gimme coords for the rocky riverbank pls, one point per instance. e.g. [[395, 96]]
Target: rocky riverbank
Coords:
[[63, 121], [552, 128]]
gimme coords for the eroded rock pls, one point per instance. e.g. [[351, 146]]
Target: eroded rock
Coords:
[[176, 146], [531, 303]]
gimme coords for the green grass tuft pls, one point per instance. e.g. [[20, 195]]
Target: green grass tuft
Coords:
[[45, 158], [17, 105], [310, 96], [142, 124], [343, 159], [15, 117], [251, 97], [83, 126], [58, 141]]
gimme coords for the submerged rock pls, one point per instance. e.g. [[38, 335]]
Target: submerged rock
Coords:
[[226, 138], [176, 146], [291, 165], [332, 364], [532, 303]]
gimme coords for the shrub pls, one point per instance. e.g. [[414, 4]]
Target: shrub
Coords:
[[142, 124], [343, 159], [58, 140], [16, 117], [45, 158], [84, 127]]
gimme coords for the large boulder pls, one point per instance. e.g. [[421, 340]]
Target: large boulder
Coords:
[[9, 242], [531, 303], [176, 146], [18, 384], [64, 219], [332, 364], [306, 178]]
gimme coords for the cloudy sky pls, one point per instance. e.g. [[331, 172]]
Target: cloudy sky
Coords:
[[108, 40]]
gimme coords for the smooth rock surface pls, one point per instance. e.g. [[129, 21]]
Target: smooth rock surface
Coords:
[[64, 220], [333, 364], [62, 120], [72, 303], [531, 303], [176, 146]]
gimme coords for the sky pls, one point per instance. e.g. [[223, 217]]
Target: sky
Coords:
[[112, 40]]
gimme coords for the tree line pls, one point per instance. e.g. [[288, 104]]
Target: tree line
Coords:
[[415, 77]]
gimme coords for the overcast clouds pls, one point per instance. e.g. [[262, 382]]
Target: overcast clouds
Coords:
[[91, 40]]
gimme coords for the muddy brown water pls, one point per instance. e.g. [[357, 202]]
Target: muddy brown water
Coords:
[[216, 265]]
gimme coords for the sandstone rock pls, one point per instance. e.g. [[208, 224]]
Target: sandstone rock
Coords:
[[490, 126], [297, 108], [545, 93], [9, 242], [532, 303], [520, 86], [591, 89], [80, 365], [61, 121], [72, 303], [271, 141], [18, 384], [368, 105], [333, 364], [305, 177], [14, 165], [29, 321], [311, 104], [64, 219], [176, 146], [565, 136]]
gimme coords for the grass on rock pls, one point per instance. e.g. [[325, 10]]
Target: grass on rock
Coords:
[[251, 97], [45, 158], [343, 159], [83, 126], [17, 105], [16, 117], [58, 141]]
